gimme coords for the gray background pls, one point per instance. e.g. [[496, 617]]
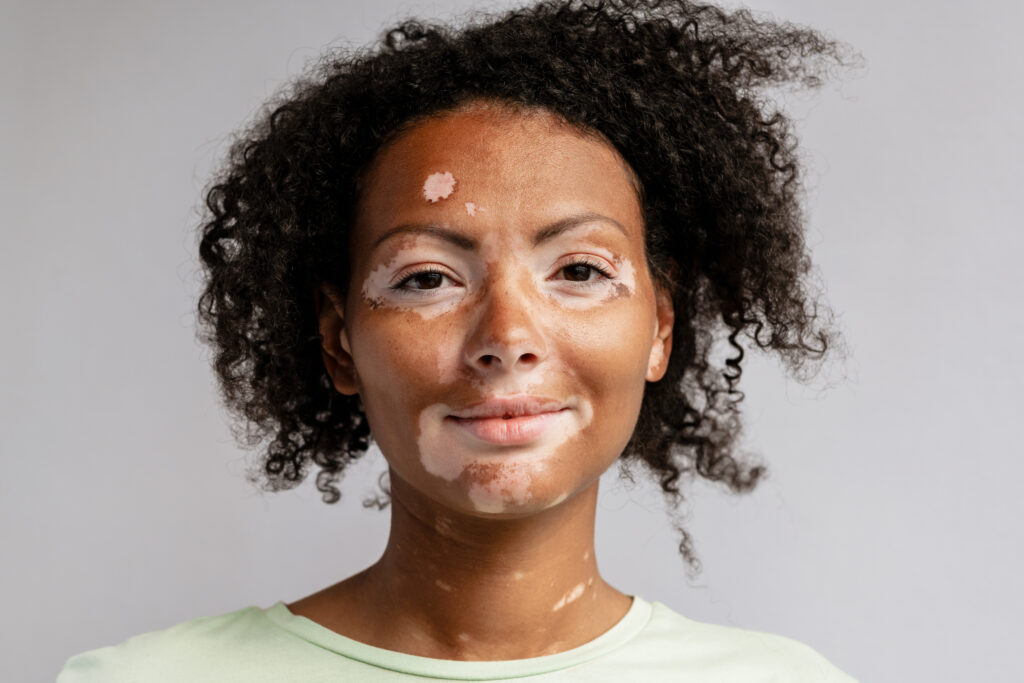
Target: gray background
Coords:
[[887, 537]]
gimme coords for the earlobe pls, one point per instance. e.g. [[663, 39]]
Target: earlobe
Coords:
[[661, 344], [335, 347]]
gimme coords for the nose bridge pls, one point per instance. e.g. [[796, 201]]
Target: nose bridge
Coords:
[[506, 331]]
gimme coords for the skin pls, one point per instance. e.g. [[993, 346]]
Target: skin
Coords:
[[491, 549]]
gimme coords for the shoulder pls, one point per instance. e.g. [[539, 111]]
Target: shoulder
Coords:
[[207, 645], [727, 653]]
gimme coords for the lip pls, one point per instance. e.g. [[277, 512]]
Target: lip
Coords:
[[509, 421], [510, 406]]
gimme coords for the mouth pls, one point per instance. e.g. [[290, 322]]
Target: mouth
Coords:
[[510, 407], [512, 421]]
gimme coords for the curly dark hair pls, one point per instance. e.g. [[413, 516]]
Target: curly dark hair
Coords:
[[676, 87]]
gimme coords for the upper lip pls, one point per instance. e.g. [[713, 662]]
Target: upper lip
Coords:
[[510, 406]]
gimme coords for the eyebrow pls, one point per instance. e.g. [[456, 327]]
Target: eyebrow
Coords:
[[545, 234]]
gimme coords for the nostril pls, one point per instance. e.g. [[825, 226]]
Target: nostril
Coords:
[[498, 360]]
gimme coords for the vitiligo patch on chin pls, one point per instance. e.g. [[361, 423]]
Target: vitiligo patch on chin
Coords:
[[438, 186], [495, 484]]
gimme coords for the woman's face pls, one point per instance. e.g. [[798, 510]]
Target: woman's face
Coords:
[[500, 323]]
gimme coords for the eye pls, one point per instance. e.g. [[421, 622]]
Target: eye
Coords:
[[422, 280], [581, 271]]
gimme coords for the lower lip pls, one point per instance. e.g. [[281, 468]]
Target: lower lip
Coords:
[[514, 431]]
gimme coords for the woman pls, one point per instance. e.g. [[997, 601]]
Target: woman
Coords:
[[503, 252]]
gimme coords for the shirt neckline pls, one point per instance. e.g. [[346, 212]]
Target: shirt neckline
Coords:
[[625, 629]]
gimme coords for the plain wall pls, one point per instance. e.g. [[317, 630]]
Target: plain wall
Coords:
[[887, 536]]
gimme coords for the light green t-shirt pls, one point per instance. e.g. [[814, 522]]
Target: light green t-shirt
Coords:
[[651, 643]]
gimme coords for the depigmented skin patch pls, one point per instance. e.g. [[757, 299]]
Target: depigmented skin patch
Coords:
[[376, 290], [572, 595], [508, 321], [496, 483], [558, 500], [622, 285], [443, 526], [438, 186]]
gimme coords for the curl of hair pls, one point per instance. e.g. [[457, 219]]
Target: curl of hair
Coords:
[[676, 87]]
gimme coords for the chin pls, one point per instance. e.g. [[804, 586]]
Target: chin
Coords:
[[495, 498]]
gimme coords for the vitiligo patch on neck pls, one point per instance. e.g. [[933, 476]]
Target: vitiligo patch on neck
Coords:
[[438, 186]]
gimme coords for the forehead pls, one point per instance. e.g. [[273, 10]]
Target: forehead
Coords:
[[521, 168]]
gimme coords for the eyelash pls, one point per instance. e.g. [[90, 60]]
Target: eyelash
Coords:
[[581, 261], [590, 263], [400, 285]]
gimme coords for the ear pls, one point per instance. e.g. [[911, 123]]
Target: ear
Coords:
[[335, 347], [661, 344]]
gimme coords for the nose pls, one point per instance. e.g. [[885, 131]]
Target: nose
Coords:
[[505, 335]]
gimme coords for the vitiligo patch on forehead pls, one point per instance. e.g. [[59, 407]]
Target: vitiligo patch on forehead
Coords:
[[438, 186], [471, 208]]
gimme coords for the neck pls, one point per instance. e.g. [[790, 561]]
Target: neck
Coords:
[[455, 586]]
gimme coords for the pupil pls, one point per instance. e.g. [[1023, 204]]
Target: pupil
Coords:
[[428, 280], [578, 272]]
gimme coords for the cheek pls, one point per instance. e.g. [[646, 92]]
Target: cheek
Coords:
[[384, 350], [402, 361], [608, 345], [609, 355]]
